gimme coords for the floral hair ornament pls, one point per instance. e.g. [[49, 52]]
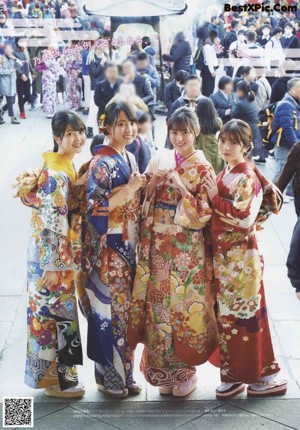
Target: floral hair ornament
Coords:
[[102, 125]]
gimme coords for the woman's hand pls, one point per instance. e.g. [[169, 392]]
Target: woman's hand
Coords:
[[49, 279], [136, 182], [211, 186], [174, 180], [298, 296]]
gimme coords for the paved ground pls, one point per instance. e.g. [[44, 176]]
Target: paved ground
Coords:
[[21, 147]]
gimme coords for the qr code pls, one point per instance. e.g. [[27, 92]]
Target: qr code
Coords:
[[18, 412]]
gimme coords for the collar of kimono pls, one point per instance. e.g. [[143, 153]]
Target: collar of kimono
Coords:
[[60, 162]]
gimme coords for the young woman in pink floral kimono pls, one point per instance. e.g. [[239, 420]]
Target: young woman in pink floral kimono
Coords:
[[241, 199], [172, 308]]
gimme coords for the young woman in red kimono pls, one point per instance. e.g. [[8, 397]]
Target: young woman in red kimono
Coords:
[[239, 195]]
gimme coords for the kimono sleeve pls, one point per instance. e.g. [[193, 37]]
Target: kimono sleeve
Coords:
[[246, 201], [193, 211], [55, 247], [99, 190]]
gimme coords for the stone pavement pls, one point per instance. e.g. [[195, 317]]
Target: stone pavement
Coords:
[[21, 147]]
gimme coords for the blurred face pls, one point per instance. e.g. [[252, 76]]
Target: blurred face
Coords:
[[142, 64], [124, 131], [228, 88], [266, 32], [278, 36], [72, 142], [251, 75], [128, 69], [127, 90], [252, 27], [182, 140], [193, 88], [231, 150], [112, 74], [288, 31], [295, 91], [146, 127], [241, 37], [8, 50]]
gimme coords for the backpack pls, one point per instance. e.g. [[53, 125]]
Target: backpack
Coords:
[[198, 58], [266, 116]]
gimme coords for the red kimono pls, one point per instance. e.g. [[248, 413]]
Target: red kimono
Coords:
[[246, 351]]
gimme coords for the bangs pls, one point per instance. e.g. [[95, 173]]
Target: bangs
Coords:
[[179, 123], [75, 122], [232, 132], [129, 112]]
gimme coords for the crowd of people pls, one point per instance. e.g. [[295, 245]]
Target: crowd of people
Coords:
[[159, 247]]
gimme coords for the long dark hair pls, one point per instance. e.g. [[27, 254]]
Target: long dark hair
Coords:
[[113, 110], [244, 86], [207, 116], [60, 122]]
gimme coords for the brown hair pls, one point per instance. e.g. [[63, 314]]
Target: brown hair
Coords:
[[183, 118], [240, 131]]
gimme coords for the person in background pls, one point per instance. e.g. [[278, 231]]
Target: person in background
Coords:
[[191, 94], [246, 109], [150, 51], [290, 42], [144, 68], [107, 89], [223, 99], [23, 75], [145, 130], [291, 172], [50, 76], [265, 37], [86, 80], [210, 126], [274, 55], [208, 72], [263, 93], [96, 60], [180, 54], [236, 50], [141, 83], [293, 260], [8, 78], [174, 89], [214, 26], [279, 86], [285, 128]]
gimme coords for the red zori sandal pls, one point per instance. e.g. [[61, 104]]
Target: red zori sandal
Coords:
[[267, 388]]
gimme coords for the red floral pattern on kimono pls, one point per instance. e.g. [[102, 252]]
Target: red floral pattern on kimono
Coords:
[[172, 308], [246, 351]]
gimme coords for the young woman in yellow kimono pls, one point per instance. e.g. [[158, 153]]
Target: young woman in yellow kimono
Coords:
[[172, 308], [54, 344]]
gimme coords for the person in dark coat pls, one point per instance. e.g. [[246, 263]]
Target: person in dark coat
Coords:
[[180, 54], [224, 99], [289, 41], [293, 261], [142, 83], [173, 90], [285, 125], [279, 87], [246, 109], [107, 89], [23, 76], [291, 171]]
